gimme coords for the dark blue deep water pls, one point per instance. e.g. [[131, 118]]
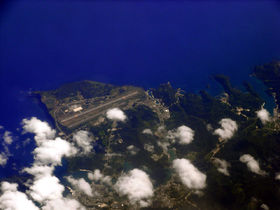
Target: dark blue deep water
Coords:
[[44, 44]]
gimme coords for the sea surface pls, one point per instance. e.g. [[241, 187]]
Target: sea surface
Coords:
[[44, 44]]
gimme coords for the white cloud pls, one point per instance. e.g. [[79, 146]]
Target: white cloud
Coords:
[[132, 149], [39, 171], [252, 164], [137, 186], [161, 129], [84, 140], [8, 139], [48, 191], [63, 204], [209, 127], [147, 131], [52, 151], [1, 127], [149, 148], [81, 185], [41, 129], [189, 174], [26, 141], [46, 188], [222, 166], [183, 133], [49, 150], [227, 130], [163, 144], [264, 206], [4, 155], [12, 199], [98, 176], [263, 115], [116, 114], [3, 159]]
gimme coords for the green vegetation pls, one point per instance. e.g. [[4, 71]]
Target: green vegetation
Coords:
[[269, 74], [201, 112], [87, 89]]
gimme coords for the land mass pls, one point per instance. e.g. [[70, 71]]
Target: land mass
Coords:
[[159, 111]]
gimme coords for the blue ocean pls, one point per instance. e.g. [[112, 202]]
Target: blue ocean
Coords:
[[44, 44]]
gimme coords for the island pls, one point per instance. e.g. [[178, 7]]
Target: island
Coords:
[[164, 127]]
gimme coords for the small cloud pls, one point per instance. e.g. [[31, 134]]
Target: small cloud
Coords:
[[252, 164], [209, 127], [116, 114], [46, 188], [52, 151], [63, 204], [227, 130], [264, 206], [183, 133], [41, 129], [150, 148], [137, 186], [12, 199], [39, 170], [161, 128], [132, 149], [26, 141], [222, 166], [147, 131], [277, 176], [163, 144], [98, 176], [3, 159], [263, 115], [1, 127], [8, 139], [4, 155], [189, 174], [84, 141], [81, 185]]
